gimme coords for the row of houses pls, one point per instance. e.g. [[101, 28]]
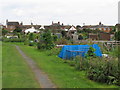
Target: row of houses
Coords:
[[11, 25], [58, 27], [100, 27]]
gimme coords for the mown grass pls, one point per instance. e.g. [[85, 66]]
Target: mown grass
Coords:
[[16, 72], [63, 75], [0, 64]]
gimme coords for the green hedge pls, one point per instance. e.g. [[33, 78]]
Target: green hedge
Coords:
[[13, 40]]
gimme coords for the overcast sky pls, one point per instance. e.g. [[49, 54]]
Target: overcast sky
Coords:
[[73, 12]]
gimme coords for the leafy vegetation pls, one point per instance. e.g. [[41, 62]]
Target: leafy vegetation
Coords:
[[46, 41], [117, 36], [4, 32], [91, 53], [61, 41], [31, 36], [17, 30], [103, 70], [55, 38]]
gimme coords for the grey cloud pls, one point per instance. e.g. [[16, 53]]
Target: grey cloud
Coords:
[[69, 11]]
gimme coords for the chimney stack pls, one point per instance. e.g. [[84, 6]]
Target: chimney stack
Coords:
[[59, 23], [6, 22]]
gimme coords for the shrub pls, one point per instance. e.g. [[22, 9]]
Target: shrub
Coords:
[[4, 32], [102, 70], [46, 41], [61, 41], [71, 62], [26, 42], [31, 36], [54, 51], [90, 52], [55, 38], [41, 46], [81, 63], [64, 34], [117, 36]]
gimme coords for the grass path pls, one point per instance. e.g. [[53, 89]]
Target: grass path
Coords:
[[41, 77], [16, 72]]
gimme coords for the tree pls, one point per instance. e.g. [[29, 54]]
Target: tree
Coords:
[[80, 37], [46, 41], [55, 38], [78, 27], [4, 32], [17, 30], [87, 30], [31, 36], [113, 30], [117, 36], [63, 34], [19, 35]]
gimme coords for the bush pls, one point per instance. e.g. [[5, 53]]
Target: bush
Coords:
[[46, 41], [71, 62], [54, 51], [55, 38], [4, 32], [81, 63], [41, 46], [61, 41], [90, 53], [26, 42], [117, 36], [31, 36], [103, 71]]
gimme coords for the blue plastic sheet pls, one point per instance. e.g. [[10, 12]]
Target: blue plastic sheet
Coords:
[[71, 51]]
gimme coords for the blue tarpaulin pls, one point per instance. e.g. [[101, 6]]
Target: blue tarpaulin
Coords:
[[70, 51]]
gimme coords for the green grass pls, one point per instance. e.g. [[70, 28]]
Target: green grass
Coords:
[[16, 73], [0, 64], [63, 75]]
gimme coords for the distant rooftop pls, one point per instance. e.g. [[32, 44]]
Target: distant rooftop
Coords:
[[12, 23]]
